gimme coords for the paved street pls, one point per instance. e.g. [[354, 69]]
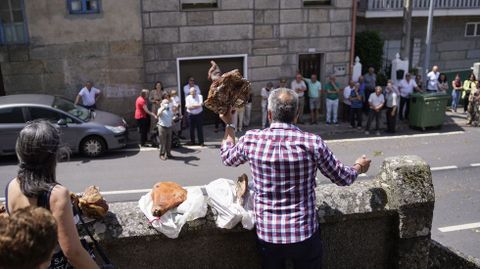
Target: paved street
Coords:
[[452, 152]]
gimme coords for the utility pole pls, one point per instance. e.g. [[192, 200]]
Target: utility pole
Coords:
[[407, 32], [428, 40]]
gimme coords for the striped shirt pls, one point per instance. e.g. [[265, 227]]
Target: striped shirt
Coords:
[[284, 161]]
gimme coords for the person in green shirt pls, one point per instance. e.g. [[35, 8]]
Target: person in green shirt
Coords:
[[332, 91], [314, 89]]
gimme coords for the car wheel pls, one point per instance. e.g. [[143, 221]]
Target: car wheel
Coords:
[[93, 146]]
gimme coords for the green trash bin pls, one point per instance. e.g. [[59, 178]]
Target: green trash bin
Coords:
[[427, 109]]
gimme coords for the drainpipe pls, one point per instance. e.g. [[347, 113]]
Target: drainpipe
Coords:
[[352, 38]]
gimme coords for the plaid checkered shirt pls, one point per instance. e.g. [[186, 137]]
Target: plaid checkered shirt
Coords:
[[284, 161]]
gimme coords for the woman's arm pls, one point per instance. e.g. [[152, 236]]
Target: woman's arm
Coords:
[[68, 238]]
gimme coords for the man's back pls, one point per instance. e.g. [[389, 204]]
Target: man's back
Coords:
[[284, 161]]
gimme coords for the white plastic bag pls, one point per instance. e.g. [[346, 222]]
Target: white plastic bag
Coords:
[[171, 223], [222, 199]]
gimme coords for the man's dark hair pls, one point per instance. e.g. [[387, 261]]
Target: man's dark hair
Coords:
[[27, 238], [283, 103]]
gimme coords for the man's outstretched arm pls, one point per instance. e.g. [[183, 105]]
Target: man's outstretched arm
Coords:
[[231, 153]]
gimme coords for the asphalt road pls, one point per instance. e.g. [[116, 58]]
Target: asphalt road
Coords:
[[454, 155]]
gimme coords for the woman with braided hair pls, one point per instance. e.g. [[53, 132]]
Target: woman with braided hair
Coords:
[[38, 149]]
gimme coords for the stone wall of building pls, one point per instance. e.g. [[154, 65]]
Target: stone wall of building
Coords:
[[451, 50], [66, 50], [271, 32]]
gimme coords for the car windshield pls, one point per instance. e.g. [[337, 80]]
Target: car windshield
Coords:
[[72, 109]]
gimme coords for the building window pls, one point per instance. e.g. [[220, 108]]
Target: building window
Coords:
[[307, 3], [13, 29], [194, 4], [472, 29], [83, 6]]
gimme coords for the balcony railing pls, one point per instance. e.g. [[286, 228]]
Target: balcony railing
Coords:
[[383, 5]]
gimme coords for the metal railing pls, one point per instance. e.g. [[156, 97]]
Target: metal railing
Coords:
[[373, 5]]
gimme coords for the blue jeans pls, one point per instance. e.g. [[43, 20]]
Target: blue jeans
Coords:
[[304, 255], [455, 99]]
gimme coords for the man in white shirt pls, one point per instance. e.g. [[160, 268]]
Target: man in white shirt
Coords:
[[190, 84], [89, 96], [299, 86], [265, 93], [406, 87], [432, 77], [376, 102], [347, 91], [194, 103], [391, 104]]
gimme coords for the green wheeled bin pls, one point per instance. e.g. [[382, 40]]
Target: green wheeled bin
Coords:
[[427, 109]]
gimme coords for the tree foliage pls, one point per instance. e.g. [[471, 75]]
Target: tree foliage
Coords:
[[369, 48]]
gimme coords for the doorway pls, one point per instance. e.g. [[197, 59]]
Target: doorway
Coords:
[[197, 67], [2, 87], [309, 64]]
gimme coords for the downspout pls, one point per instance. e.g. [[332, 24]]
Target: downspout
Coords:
[[352, 38]]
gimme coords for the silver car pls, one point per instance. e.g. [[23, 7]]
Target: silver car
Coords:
[[85, 131]]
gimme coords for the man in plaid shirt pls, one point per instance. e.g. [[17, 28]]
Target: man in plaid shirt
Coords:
[[284, 161]]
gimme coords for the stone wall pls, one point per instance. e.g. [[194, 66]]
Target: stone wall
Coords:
[[271, 32], [383, 223], [451, 50], [66, 50]]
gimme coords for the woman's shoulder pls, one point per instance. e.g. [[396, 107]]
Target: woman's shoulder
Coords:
[[59, 194]]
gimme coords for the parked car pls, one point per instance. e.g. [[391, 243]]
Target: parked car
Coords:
[[88, 132]]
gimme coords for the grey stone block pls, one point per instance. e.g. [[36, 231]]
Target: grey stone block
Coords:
[[161, 5], [340, 15], [125, 48], [160, 67], [259, 16], [318, 15], [162, 19], [169, 79], [263, 31], [149, 53], [293, 15], [337, 57], [268, 51], [304, 30], [452, 55], [473, 54], [126, 77], [146, 20], [19, 54], [163, 52], [215, 32], [287, 59], [266, 4], [455, 45], [235, 4], [272, 16], [131, 62], [230, 47], [232, 17], [54, 66], [318, 29], [182, 49], [291, 3], [23, 68], [257, 61], [269, 43], [343, 3], [265, 73], [160, 35], [457, 64], [17, 84], [200, 18], [340, 29]]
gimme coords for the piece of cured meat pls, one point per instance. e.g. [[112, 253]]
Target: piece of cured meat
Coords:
[[227, 90], [165, 196], [92, 203]]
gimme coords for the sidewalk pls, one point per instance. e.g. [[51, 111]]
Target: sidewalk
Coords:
[[453, 122]]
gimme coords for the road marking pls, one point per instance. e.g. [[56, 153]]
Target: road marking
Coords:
[[125, 192], [459, 227], [440, 168], [146, 149], [475, 164], [363, 175], [392, 137]]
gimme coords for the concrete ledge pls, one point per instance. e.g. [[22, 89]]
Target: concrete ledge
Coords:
[[383, 223], [442, 257]]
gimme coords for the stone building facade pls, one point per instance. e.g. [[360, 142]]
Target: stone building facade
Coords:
[[455, 38], [131, 44], [65, 50]]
